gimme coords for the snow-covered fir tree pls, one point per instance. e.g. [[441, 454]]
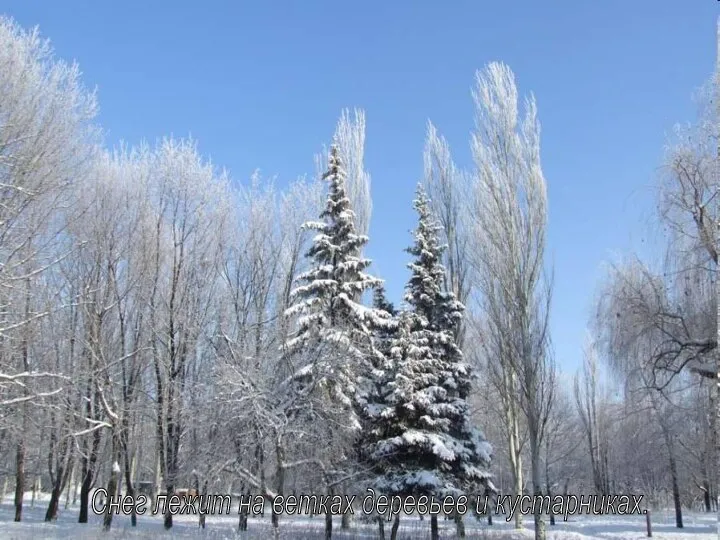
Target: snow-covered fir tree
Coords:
[[381, 302], [377, 414], [422, 440], [382, 365], [334, 329]]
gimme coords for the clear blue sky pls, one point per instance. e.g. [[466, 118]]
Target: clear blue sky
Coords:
[[261, 84]]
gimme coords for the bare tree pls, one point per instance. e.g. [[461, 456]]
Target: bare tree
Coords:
[[560, 446], [449, 191], [189, 210], [349, 138], [46, 140], [651, 329], [493, 356], [690, 203], [590, 399], [511, 212]]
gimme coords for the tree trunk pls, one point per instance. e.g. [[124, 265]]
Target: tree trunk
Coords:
[[345, 521], [20, 449], [381, 527], [547, 487], [536, 476], [280, 473], [395, 527], [670, 445], [243, 514], [515, 454], [4, 490], [52, 510], [34, 492], [706, 496], [19, 477], [158, 473], [434, 527], [70, 483], [167, 516], [76, 489], [676, 492], [328, 525], [88, 476], [112, 486], [112, 494], [59, 479], [328, 518], [127, 465], [171, 452], [459, 525], [201, 518]]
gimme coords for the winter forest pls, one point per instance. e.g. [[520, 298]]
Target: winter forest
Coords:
[[168, 330]]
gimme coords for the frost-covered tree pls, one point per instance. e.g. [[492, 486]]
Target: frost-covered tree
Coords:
[[47, 140], [427, 445], [333, 328], [381, 302], [333, 343], [349, 140], [375, 400], [374, 404], [449, 188], [383, 336], [512, 278]]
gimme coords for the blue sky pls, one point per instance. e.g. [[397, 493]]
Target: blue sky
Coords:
[[261, 84]]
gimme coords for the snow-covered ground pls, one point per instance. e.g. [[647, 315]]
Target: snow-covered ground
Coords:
[[698, 526]]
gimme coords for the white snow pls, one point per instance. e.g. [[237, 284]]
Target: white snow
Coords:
[[698, 526]]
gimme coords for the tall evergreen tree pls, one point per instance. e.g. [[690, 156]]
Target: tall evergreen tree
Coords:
[[382, 365], [423, 441], [333, 329], [377, 414]]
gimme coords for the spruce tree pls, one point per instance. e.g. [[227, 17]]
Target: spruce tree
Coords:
[[333, 336], [423, 441], [377, 413], [382, 365], [381, 302]]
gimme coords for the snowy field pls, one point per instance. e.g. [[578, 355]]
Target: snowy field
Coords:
[[698, 526]]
